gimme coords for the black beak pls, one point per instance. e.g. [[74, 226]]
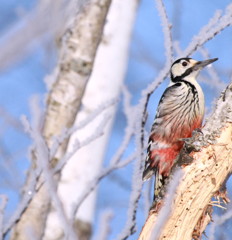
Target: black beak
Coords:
[[202, 64]]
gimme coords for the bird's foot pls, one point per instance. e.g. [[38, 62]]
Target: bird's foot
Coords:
[[191, 144], [194, 143], [184, 159]]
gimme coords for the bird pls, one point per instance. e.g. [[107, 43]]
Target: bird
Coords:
[[180, 111]]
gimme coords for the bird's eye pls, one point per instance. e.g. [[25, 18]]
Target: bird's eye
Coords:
[[184, 64]]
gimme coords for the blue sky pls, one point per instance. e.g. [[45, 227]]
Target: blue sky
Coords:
[[24, 78]]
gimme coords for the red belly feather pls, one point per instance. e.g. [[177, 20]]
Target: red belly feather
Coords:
[[164, 157]]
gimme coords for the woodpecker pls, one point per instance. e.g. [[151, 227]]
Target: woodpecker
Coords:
[[180, 111]]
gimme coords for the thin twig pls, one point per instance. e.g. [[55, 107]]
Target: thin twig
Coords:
[[3, 204]]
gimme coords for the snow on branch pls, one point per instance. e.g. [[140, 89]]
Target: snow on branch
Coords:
[[137, 182], [64, 102], [3, 202], [116, 161], [105, 83], [29, 192], [203, 178], [104, 229], [166, 27], [217, 24], [42, 156], [168, 51], [34, 173], [50, 177], [77, 145], [92, 185]]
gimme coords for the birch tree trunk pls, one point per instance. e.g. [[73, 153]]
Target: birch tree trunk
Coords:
[[104, 85], [77, 54], [201, 180]]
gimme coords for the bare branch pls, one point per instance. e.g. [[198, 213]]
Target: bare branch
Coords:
[[167, 32], [217, 24], [42, 156], [2, 213], [104, 229], [137, 183]]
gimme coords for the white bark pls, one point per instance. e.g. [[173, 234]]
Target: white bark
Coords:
[[77, 55], [104, 84]]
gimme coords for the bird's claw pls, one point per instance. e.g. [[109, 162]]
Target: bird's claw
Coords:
[[194, 143]]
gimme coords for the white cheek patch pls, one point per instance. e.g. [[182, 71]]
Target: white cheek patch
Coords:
[[177, 70]]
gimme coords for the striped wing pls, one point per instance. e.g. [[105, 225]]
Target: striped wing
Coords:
[[177, 115]]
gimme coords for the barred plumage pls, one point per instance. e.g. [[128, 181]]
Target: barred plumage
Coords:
[[180, 111]]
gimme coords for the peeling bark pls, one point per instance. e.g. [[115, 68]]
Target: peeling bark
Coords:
[[75, 66]]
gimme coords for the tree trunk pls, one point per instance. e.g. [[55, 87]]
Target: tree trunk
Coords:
[[74, 68], [104, 85]]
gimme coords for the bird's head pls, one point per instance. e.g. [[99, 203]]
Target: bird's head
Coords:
[[188, 68]]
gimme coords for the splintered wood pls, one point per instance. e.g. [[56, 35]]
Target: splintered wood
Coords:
[[201, 180]]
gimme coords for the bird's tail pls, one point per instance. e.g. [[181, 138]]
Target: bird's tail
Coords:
[[148, 173], [159, 188]]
